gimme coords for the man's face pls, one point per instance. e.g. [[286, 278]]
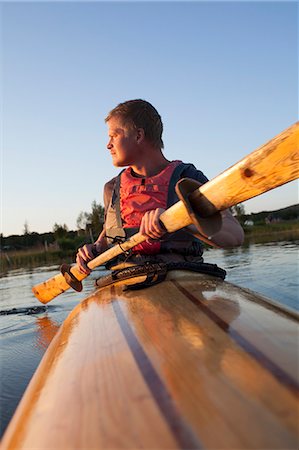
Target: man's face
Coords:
[[122, 143]]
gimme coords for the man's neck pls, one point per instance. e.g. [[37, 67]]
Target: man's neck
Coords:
[[150, 166]]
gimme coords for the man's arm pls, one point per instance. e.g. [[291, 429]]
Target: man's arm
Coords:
[[90, 251], [101, 243], [230, 235]]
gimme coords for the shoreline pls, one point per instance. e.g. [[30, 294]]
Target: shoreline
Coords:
[[31, 258]]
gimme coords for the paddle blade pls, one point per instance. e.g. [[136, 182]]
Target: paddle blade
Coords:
[[46, 291], [49, 289], [272, 165]]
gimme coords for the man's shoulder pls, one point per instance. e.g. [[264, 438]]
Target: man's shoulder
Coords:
[[189, 170], [108, 191], [109, 185]]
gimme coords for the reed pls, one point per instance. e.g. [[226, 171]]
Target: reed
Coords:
[[257, 234], [31, 258], [273, 232]]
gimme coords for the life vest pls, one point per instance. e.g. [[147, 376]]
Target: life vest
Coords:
[[128, 197]]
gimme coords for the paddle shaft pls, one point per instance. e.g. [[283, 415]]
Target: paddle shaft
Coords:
[[268, 167]]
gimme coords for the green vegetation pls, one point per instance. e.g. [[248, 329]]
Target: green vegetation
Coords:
[[61, 245], [269, 226], [56, 247], [272, 232], [290, 213], [62, 250]]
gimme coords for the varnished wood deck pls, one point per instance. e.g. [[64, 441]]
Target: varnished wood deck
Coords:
[[191, 363]]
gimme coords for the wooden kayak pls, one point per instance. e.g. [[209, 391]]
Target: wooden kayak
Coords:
[[193, 362]]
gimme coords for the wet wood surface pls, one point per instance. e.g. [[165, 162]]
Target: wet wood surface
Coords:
[[193, 362]]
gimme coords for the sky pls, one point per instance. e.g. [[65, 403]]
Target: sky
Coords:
[[223, 76]]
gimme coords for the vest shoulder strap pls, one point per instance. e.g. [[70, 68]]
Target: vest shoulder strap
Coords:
[[115, 199], [179, 172]]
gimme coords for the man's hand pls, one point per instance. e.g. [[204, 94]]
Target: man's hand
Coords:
[[150, 225], [86, 254]]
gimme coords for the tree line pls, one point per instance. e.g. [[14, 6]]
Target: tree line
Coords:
[[89, 226], [289, 213]]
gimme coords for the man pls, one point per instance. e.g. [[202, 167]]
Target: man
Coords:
[[135, 199]]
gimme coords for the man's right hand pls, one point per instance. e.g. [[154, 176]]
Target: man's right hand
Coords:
[[86, 254]]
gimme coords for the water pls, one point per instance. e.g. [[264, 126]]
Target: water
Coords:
[[270, 269]]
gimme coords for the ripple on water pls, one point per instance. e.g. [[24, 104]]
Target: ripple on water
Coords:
[[270, 269]]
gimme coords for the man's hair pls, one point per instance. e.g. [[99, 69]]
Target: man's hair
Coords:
[[140, 114]]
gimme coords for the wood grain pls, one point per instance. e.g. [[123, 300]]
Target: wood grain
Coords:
[[164, 367], [88, 392], [272, 165]]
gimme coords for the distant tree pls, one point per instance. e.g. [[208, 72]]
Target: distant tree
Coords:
[[33, 239], [26, 228], [26, 235], [60, 231], [92, 222], [96, 218], [238, 211], [82, 220]]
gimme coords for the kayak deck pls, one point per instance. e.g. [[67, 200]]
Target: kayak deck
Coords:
[[193, 362]]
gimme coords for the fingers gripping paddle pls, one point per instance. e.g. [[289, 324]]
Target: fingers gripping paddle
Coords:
[[268, 167]]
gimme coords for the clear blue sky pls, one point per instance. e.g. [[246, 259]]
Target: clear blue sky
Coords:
[[223, 75]]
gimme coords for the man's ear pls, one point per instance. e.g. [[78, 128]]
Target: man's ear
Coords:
[[140, 136]]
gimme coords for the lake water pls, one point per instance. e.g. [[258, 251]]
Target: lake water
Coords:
[[270, 269]]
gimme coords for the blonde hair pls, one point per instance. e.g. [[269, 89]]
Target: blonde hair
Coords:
[[140, 114]]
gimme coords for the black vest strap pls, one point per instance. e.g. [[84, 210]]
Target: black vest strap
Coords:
[[115, 203], [172, 198]]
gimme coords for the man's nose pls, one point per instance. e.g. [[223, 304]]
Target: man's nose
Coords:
[[109, 145]]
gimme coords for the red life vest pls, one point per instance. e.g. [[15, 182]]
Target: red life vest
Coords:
[[138, 195], [180, 242]]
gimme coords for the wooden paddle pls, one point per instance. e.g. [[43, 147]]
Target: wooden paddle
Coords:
[[266, 168]]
